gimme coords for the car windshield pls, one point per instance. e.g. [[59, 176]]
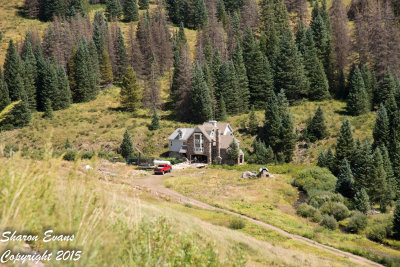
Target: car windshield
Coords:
[[161, 165]]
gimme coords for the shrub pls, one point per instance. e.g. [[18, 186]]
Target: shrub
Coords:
[[310, 212], [70, 155], [321, 197], [329, 222], [315, 179], [337, 210], [87, 155], [236, 223], [377, 233], [357, 222]]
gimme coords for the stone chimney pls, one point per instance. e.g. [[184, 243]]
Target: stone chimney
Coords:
[[218, 147]]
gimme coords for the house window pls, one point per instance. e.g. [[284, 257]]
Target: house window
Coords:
[[180, 134], [170, 143], [198, 143]]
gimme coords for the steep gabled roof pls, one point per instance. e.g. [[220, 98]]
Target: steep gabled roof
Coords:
[[186, 133]]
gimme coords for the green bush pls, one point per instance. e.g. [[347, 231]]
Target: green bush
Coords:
[[70, 155], [377, 233], [357, 222], [236, 223], [321, 197], [329, 222], [87, 154], [315, 179], [310, 212], [337, 210]]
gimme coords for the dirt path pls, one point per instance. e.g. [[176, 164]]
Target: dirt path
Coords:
[[154, 184]]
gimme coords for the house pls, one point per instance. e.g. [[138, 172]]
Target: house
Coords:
[[205, 143]]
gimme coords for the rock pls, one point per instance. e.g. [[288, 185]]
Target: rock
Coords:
[[248, 175]]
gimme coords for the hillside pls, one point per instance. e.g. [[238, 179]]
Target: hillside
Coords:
[[60, 146]]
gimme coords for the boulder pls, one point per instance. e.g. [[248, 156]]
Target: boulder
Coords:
[[248, 175]]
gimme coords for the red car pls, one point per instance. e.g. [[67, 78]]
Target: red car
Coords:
[[162, 168]]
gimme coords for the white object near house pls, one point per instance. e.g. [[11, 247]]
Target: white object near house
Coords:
[[158, 162]]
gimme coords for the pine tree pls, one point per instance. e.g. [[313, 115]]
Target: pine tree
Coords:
[[386, 87], [200, 16], [362, 163], [106, 74], [253, 122], [273, 124], [381, 128], [52, 89], [289, 70], [30, 74], [317, 129], [131, 11], [341, 91], [65, 97], [121, 54], [94, 60], [126, 145], [319, 87], [221, 13], [331, 161], [345, 143], [233, 152], [369, 82], [357, 100], [243, 81], [390, 179], [396, 221], [361, 201], [4, 96], [288, 137], [321, 161], [378, 182], [48, 110], [345, 181], [395, 159], [221, 110], [113, 10], [200, 96], [130, 91], [155, 122], [143, 4]]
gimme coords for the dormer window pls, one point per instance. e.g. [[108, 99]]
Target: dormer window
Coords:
[[180, 134]]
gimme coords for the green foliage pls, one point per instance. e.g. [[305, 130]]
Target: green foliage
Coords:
[[361, 201], [253, 122], [131, 94], [396, 221], [321, 197], [262, 154], [345, 142], [48, 110], [143, 4], [113, 10], [199, 16], [4, 96], [315, 179], [337, 210], [131, 11], [317, 129], [126, 145], [386, 88], [237, 223], [381, 128], [288, 137], [106, 74], [221, 110], [345, 182], [70, 155], [377, 233], [358, 221], [357, 100], [329, 222], [273, 124], [377, 189], [201, 97], [155, 122], [308, 211], [233, 152]]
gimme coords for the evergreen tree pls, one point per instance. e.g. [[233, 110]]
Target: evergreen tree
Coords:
[[262, 154], [155, 122], [386, 88], [321, 161], [395, 159], [243, 81], [396, 221], [378, 182], [253, 122], [106, 74], [345, 181], [362, 163], [121, 55], [144, 4], [200, 16], [331, 161], [221, 13], [369, 82], [289, 70], [30, 74], [273, 124], [357, 100], [131, 11], [94, 60], [64, 91], [317, 129], [345, 143], [221, 110], [390, 179], [52, 89], [200, 95], [319, 87], [113, 10], [233, 152], [361, 201], [130, 91], [4, 96], [48, 110], [259, 73], [288, 137], [341, 91], [381, 128], [126, 145]]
